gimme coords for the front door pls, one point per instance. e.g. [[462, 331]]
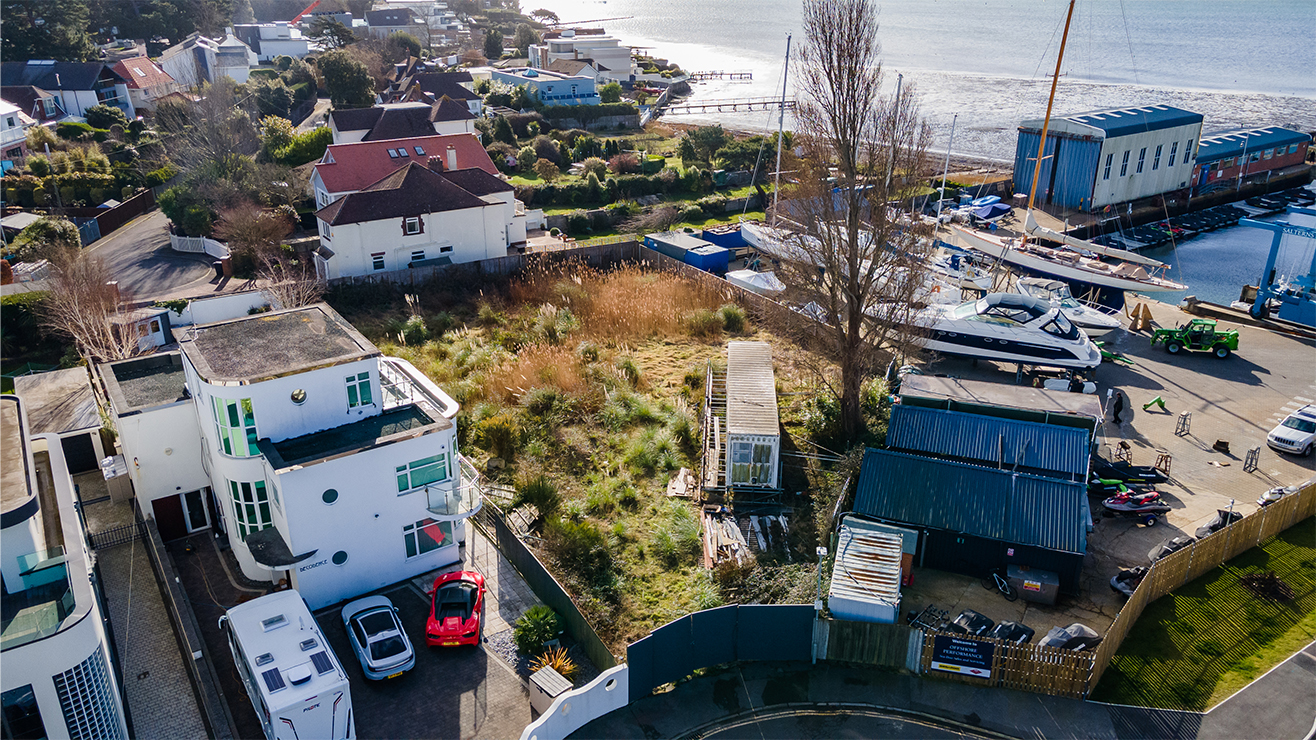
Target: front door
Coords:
[[194, 510], [169, 517]]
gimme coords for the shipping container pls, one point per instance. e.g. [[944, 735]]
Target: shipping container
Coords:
[[866, 575], [711, 258], [674, 244]]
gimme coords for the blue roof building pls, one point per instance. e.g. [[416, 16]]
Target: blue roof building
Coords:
[[1100, 158], [1005, 444]]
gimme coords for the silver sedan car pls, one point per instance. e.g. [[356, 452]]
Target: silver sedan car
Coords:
[[377, 637]]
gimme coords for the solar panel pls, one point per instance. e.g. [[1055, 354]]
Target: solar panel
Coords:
[[273, 681], [322, 663]]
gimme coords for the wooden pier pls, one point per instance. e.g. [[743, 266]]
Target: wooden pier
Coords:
[[720, 75], [730, 105]]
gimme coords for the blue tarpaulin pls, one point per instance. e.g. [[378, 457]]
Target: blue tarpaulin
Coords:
[[995, 210]]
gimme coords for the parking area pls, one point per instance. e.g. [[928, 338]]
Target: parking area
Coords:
[[461, 692], [1237, 400]]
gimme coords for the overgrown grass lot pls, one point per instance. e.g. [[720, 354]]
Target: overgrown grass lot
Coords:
[[581, 389], [1194, 647]]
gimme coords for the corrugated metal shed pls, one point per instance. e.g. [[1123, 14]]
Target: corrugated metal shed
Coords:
[[1231, 144], [1118, 121], [1010, 444], [1010, 507], [1061, 408], [1074, 160], [751, 389], [867, 570]]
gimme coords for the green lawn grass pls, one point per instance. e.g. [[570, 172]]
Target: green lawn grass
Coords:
[[1198, 645]]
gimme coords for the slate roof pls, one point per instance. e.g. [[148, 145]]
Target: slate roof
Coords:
[[141, 73], [478, 182], [355, 119], [27, 98], [402, 17], [1008, 507], [439, 84], [413, 190], [355, 166], [448, 109], [401, 123], [41, 73]]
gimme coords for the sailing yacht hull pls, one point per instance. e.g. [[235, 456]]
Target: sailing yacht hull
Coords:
[[1051, 268]]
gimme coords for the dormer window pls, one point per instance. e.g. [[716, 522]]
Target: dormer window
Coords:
[[411, 225]]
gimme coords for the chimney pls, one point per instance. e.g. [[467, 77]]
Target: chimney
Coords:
[[452, 157], [435, 163]]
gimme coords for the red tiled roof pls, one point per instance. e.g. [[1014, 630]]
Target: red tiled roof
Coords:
[[350, 167], [141, 73]]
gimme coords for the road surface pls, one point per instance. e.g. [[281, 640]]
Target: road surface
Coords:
[[139, 257]]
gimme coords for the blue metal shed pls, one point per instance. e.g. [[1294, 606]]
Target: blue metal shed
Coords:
[[1010, 444], [1075, 168], [710, 258]]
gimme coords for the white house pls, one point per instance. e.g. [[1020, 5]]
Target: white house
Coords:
[[347, 168], [147, 83], [13, 134], [197, 59], [321, 461], [79, 85], [419, 216], [58, 680], [401, 121], [611, 57], [384, 23], [270, 40]]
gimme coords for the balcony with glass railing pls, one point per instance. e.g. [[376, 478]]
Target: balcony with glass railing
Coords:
[[46, 600], [457, 499], [403, 385]]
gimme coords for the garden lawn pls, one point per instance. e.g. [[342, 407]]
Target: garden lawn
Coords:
[[1193, 648]]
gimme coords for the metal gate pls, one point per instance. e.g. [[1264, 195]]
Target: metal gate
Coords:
[[116, 536]]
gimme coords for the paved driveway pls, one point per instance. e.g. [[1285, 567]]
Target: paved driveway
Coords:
[[139, 257], [461, 692]]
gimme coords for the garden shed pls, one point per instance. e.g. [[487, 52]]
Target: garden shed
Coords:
[[867, 574], [753, 430]]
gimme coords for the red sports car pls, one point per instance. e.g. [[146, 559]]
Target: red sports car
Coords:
[[458, 598]]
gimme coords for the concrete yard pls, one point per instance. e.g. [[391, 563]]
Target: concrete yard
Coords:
[[1238, 400]]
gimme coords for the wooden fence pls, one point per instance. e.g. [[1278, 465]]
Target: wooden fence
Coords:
[[1197, 560], [1042, 670], [886, 645]]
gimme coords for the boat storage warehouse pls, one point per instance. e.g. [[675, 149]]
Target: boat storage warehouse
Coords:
[[1095, 159]]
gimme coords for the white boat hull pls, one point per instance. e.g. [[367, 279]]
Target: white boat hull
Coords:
[[1055, 269]]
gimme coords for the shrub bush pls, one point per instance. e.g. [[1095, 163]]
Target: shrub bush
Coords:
[[677, 541], [703, 323], [540, 493], [73, 130], [733, 318], [581, 548], [157, 177], [499, 434], [578, 223], [537, 625]]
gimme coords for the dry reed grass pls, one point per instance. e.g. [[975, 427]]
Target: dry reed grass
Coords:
[[617, 306], [536, 366]]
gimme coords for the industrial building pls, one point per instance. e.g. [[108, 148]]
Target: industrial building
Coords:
[[983, 492], [1105, 157], [1221, 158]]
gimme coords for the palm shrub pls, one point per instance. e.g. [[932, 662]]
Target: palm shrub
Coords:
[[555, 658], [537, 625], [540, 493]]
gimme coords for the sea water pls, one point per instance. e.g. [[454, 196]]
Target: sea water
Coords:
[[1238, 62]]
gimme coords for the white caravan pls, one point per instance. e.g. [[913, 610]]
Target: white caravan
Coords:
[[294, 680]]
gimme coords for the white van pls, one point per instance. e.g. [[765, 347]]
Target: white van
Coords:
[[294, 680]]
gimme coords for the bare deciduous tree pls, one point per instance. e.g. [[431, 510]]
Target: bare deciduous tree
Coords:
[[250, 229], [83, 306], [288, 281], [212, 130], [848, 250]]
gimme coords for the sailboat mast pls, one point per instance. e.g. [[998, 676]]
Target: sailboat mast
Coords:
[[781, 123], [946, 169], [1046, 122]]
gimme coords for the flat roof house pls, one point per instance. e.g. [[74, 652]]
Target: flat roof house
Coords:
[[550, 88], [321, 460]]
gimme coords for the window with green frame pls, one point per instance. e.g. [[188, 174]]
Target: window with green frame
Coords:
[[425, 536], [251, 507], [358, 390], [236, 423], [416, 474]]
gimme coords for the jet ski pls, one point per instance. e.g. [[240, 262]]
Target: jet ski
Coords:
[[973, 623], [1275, 494], [1169, 548], [1112, 486], [1223, 518], [1126, 581], [1074, 637], [1014, 632], [1146, 506], [1125, 472]]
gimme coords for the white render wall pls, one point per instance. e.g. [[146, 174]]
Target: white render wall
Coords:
[[162, 448], [473, 234], [1150, 182], [365, 522]]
